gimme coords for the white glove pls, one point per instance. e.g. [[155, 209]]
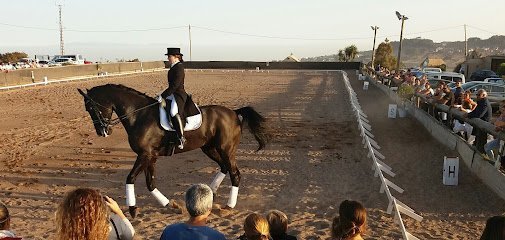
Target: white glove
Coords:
[[159, 98]]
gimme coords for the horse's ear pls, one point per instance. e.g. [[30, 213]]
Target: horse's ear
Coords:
[[82, 93]]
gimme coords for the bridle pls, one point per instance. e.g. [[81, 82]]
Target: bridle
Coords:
[[105, 122]]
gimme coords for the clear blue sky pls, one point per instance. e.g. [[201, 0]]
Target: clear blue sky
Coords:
[[91, 27]]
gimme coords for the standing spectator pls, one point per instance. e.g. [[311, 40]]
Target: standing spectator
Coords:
[[199, 205], [499, 124], [484, 112], [350, 223], [458, 93], [495, 229], [5, 224], [255, 228], [278, 222], [83, 215]]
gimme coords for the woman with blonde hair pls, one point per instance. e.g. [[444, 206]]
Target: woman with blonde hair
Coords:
[[255, 228], [350, 223], [84, 215]]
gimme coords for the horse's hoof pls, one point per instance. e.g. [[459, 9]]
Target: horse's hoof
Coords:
[[133, 211]]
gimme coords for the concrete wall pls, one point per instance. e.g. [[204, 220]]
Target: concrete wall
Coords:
[[24, 76], [468, 154], [271, 65]]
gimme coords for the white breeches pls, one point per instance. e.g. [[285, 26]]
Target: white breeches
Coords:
[[173, 106]]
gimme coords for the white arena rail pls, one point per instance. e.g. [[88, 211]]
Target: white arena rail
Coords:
[[79, 78], [395, 207]]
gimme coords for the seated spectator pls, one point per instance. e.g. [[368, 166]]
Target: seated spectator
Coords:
[[5, 224], [199, 205], [495, 229], [467, 105], [499, 124], [278, 222], [255, 228], [84, 214], [428, 91], [350, 223]]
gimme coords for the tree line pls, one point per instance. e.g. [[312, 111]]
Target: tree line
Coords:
[[12, 57]]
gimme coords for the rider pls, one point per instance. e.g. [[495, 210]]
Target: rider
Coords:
[[175, 92]]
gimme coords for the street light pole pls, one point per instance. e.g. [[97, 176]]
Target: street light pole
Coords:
[[374, 28], [403, 18]]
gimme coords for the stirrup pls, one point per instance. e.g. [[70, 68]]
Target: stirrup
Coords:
[[182, 142]]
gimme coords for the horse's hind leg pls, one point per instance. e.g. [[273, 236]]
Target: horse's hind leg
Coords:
[[214, 155], [149, 172], [228, 157]]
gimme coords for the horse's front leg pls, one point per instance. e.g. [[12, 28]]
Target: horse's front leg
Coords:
[[149, 172], [130, 181]]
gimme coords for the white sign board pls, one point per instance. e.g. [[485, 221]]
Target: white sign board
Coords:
[[451, 169], [392, 110], [365, 85]]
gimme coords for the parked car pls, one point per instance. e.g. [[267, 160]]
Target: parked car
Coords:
[[451, 76], [483, 74], [62, 60], [434, 82], [495, 80], [432, 70]]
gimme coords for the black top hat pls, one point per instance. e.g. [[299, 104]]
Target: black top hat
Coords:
[[173, 51]]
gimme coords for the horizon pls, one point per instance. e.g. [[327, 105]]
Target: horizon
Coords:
[[227, 30]]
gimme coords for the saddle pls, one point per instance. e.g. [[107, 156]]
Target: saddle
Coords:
[[192, 116]]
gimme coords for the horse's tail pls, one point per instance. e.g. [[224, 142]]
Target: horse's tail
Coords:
[[256, 123]]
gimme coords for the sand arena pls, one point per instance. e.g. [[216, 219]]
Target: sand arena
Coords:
[[316, 160]]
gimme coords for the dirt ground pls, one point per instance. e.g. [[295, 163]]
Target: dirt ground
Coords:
[[316, 160]]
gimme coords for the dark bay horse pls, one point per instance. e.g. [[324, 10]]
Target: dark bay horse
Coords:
[[218, 137]]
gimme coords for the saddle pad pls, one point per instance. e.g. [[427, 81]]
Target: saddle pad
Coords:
[[192, 123]]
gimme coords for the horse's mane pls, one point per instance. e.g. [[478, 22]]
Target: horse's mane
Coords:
[[122, 87]]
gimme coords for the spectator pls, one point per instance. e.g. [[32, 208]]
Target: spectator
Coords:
[[495, 229], [199, 205], [499, 124], [83, 215], [428, 91], [458, 93], [255, 228], [483, 111], [467, 106], [5, 224], [350, 223], [278, 222]]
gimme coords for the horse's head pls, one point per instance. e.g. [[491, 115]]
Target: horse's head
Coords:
[[100, 112]]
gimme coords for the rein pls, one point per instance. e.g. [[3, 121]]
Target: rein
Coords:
[[105, 122]]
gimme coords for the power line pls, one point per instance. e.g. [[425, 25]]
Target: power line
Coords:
[[93, 31], [483, 30]]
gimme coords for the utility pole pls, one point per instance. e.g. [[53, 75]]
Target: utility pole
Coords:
[[190, 47], [374, 28], [466, 44], [61, 32], [403, 18]]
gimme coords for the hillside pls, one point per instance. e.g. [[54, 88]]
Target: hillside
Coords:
[[414, 51]]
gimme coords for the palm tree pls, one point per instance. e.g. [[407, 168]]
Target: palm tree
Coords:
[[351, 52]]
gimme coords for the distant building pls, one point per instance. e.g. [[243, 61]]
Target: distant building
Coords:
[[291, 58], [475, 62], [433, 62]]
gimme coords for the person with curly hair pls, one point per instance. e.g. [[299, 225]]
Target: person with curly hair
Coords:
[[255, 228], [84, 215], [350, 223]]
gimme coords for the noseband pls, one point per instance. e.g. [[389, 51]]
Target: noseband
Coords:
[[103, 121]]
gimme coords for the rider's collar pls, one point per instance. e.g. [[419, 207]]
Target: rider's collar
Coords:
[[174, 63]]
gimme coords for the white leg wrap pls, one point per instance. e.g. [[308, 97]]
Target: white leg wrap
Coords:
[[217, 181], [160, 197], [130, 195], [233, 197]]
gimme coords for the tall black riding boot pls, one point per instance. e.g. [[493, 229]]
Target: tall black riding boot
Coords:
[[179, 129]]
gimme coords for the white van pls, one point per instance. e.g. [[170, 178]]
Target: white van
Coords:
[[451, 76], [76, 58]]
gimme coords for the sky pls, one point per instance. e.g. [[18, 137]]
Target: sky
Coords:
[[258, 30]]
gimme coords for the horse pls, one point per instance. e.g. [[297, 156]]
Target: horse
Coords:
[[218, 136]]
